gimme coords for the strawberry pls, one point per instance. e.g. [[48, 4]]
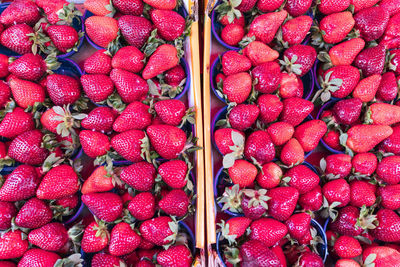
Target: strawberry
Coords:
[[169, 24], [27, 148], [311, 200], [34, 214], [371, 60], [26, 93], [264, 27], [233, 62], [53, 9], [367, 88], [128, 58], [363, 138], [242, 173], [95, 238], [268, 231], [390, 6], [389, 196], [123, 239], [255, 253], [98, 181], [383, 114], [68, 202], [297, 8], [364, 163], [20, 184], [246, 5], [380, 256], [292, 153], [387, 170], [51, 237], [234, 228], [28, 67], [102, 259], [299, 59], [13, 245], [298, 224], [99, 119], [94, 144], [225, 138], [337, 165], [164, 58], [20, 12], [129, 144], [136, 116], [295, 30], [362, 193], [254, 203], [163, 4], [336, 26], [232, 34], [345, 52], [388, 222], [106, 206], [269, 5], [59, 182], [63, 89], [331, 138], [295, 110], [98, 87], [309, 133], [282, 202], [270, 176], [7, 212], [16, 38], [168, 141], [130, 7], [268, 77], [392, 143], [259, 53], [175, 76], [237, 87], [3, 66], [170, 111], [327, 7], [38, 257], [259, 147], [291, 86], [130, 86], [173, 173], [99, 8], [101, 30], [175, 255], [16, 122], [337, 191], [243, 116], [362, 4], [142, 206], [135, 30], [64, 37], [280, 132], [302, 178], [175, 203], [347, 111], [141, 176], [98, 63], [347, 263], [160, 230], [387, 90], [310, 259], [372, 22], [345, 223]]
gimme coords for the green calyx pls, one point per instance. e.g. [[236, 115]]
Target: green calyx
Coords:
[[232, 199], [290, 64]]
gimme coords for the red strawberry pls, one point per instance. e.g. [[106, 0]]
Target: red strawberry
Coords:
[[101, 30], [388, 222], [129, 144], [362, 193], [98, 181], [259, 147], [130, 7], [292, 153], [255, 253], [310, 133], [130, 87], [381, 256], [97, 87], [123, 239], [310, 259], [338, 165], [280, 132], [38, 257], [136, 116], [175, 76], [63, 89], [98, 63], [135, 30], [94, 144], [95, 238], [243, 116], [27, 148], [28, 67], [298, 224], [242, 173], [7, 212], [363, 138], [128, 58], [225, 19], [388, 171], [371, 60], [70, 202], [160, 230], [268, 231], [302, 178], [59, 182], [64, 37], [387, 90], [372, 22], [5, 94], [296, 8], [294, 31], [173, 173], [390, 6], [170, 111], [105, 206], [17, 38], [268, 77], [346, 222], [345, 52], [254, 203], [234, 228], [170, 25], [233, 62], [332, 6], [335, 27], [259, 53], [26, 93], [364, 163], [142, 206], [291, 86], [168, 141], [270, 176], [53, 9], [347, 263], [392, 143], [347, 111], [367, 88], [295, 110], [99, 8], [362, 4], [264, 27], [331, 138], [225, 138], [102, 259], [3, 66], [13, 245], [175, 255], [269, 5], [383, 114], [16, 122], [311, 200], [283, 202], [232, 34], [20, 12], [140, 176], [337, 191], [164, 58], [163, 4], [34, 214], [389, 196], [175, 203], [51, 237], [99, 119], [237, 87]]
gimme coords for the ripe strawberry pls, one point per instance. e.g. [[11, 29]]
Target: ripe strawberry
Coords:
[[135, 30], [175, 255], [270, 176], [297, 8], [381, 256], [98, 8], [38, 257], [283, 202], [383, 114], [363, 138], [295, 30], [254, 203], [101, 30], [160, 230], [372, 22], [242, 173], [59, 182], [63, 89], [345, 223], [141, 176], [225, 138], [386, 231], [264, 27], [20, 12], [27, 148], [130, 7], [268, 77], [348, 77], [243, 116], [280, 132], [164, 58], [291, 86], [142, 206], [298, 224], [392, 143], [311, 200], [367, 88], [336, 26], [234, 228], [233, 62], [34, 214], [268, 231], [259, 53], [124, 239], [5, 94], [347, 111], [362, 193], [136, 116], [371, 60], [3, 65], [175, 203], [173, 173], [26, 93], [7, 212], [70, 202], [387, 90], [169, 24], [98, 63], [255, 253], [16, 38], [64, 37], [28, 67], [98, 87], [292, 153], [51, 237], [259, 147], [337, 191], [309, 258], [390, 6], [98, 181], [299, 59], [128, 58], [389, 196], [327, 7], [170, 111], [16, 122], [237, 87], [130, 87], [168, 141], [331, 138], [347, 263], [94, 144], [99, 119], [129, 144], [302, 178], [95, 238], [269, 5], [164, 4], [362, 4], [20, 184], [337, 165], [364, 163], [232, 34], [102, 259], [175, 76], [13, 245], [53, 9], [345, 53], [310, 133], [105, 206], [387, 170], [295, 110]]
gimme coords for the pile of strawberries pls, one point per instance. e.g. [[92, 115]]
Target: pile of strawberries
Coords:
[[121, 113]]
